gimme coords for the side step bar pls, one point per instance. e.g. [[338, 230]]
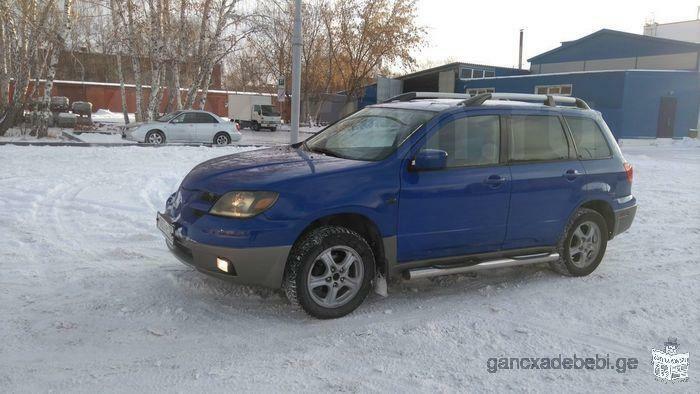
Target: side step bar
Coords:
[[418, 273]]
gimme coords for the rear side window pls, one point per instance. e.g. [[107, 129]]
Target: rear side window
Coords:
[[469, 141], [205, 118], [589, 138], [537, 138]]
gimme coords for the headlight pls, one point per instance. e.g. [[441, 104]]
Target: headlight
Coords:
[[243, 204]]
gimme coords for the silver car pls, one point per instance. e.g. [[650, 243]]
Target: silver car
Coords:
[[184, 126]]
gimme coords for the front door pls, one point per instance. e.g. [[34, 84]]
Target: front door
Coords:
[[667, 117], [181, 128], [547, 182], [463, 208]]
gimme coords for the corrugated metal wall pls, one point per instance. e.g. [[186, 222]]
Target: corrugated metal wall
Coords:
[[628, 100]]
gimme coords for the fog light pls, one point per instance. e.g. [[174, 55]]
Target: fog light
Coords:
[[222, 264]]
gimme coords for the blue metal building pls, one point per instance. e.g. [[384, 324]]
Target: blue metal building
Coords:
[[644, 86]]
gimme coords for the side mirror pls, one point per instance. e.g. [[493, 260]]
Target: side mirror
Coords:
[[430, 160]]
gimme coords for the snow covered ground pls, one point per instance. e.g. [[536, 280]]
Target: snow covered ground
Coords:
[[91, 301]]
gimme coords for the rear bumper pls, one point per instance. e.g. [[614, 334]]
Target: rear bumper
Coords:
[[262, 266], [623, 219]]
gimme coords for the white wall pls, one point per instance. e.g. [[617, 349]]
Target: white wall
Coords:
[[682, 31]]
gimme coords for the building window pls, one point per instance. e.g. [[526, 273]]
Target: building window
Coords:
[[472, 73], [476, 91], [557, 90]]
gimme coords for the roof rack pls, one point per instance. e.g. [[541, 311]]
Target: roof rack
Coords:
[[479, 99], [427, 95], [548, 100]]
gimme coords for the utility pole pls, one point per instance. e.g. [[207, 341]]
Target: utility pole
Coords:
[[296, 73]]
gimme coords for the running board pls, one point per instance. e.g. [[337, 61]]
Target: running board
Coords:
[[428, 272]]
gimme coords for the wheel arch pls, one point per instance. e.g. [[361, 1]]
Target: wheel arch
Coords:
[[358, 223], [605, 210]]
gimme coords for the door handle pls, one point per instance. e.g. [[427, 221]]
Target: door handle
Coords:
[[572, 174], [495, 180]]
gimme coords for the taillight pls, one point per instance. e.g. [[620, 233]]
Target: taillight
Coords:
[[629, 171], [238, 126]]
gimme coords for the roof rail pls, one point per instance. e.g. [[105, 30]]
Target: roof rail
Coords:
[[426, 95], [548, 100]]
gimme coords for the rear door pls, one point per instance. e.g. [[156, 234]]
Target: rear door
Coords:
[[205, 128], [463, 208], [547, 180]]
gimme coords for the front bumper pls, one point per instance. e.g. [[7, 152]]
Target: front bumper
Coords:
[[263, 266], [624, 218]]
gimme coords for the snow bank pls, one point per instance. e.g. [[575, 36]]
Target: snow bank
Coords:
[[92, 301]]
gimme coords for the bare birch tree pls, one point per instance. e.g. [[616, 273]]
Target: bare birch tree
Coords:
[[59, 41], [117, 35]]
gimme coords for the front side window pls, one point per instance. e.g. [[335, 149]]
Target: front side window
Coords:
[[191, 117], [371, 134], [169, 117], [537, 138], [469, 141], [179, 119], [588, 137], [269, 110]]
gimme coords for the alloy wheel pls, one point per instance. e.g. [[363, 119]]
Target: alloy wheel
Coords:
[[584, 245], [335, 276]]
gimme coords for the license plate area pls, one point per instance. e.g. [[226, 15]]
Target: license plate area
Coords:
[[166, 227]]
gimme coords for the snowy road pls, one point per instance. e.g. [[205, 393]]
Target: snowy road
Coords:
[[91, 301]]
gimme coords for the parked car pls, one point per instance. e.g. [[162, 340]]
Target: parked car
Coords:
[[185, 126], [425, 184]]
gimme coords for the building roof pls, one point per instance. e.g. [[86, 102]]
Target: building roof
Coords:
[[609, 44], [455, 65]]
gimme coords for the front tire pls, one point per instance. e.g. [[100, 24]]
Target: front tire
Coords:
[[329, 272], [583, 245], [155, 137], [255, 126]]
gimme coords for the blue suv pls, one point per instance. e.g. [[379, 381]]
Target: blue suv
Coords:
[[421, 185]]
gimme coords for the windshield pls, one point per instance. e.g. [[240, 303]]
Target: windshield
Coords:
[[369, 134], [169, 117], [268, 110]]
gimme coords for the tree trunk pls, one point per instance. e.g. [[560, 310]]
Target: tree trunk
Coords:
[[122, 89], [64, 28], [135, 61], [4, 72], [156, 59], [120, 72]]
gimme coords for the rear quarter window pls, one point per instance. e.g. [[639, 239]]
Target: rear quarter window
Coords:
[[537, 138], [588, 137]]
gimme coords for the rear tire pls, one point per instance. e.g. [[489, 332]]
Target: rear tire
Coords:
[[222, 139], [155, 137], [329, 272], [582, 247], [273, 128]]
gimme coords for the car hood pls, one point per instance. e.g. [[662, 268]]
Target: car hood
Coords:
[[262, 169]]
